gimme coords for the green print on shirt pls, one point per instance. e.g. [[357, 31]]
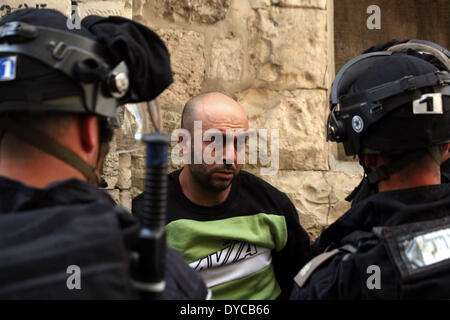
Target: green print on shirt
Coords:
[[209, 243]]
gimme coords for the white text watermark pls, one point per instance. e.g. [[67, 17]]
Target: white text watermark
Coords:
[[227, 147]]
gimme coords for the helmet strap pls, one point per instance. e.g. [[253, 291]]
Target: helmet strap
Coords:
[[385, 171]]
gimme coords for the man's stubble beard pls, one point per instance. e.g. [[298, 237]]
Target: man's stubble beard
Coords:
[[203, 176]]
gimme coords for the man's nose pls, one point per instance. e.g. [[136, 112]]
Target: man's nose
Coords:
[[229, 153]]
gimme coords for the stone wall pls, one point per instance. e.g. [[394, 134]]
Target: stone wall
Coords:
[[275, 57]]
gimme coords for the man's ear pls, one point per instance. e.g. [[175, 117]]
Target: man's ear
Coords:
[[89, 137]]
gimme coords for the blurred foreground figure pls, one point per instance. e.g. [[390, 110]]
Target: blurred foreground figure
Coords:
[[60, 236], [392, 109]]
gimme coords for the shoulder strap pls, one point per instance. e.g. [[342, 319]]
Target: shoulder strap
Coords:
[[311, 266], [354, 242]]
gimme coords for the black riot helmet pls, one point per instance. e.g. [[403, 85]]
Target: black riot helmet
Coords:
[[427, 50], [45, 67], [392, 102]]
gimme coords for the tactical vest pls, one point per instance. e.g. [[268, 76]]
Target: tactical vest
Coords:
[[417, 254]]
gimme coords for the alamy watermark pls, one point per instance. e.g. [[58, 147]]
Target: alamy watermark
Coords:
[[374, 20], [227, 147], [73, 281], [374, 280], [74, 21]]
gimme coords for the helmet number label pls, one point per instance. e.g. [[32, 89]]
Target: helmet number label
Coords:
[[357, 124], [8, 68], [430, 103]]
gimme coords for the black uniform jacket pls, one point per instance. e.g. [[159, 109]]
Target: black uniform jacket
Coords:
[[70, 241], [399, 249]]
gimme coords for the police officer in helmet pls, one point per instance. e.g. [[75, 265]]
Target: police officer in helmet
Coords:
[[392, 110], [59, 93], [440, 58]]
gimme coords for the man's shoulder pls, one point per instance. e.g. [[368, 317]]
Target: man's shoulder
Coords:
[[257, 185], [248, 178], [137, 204]]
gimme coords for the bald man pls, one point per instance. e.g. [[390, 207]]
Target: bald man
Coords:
[[240, 233]]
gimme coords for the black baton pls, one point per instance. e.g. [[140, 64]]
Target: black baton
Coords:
[[152, 238]]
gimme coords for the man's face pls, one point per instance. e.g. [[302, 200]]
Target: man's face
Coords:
[[222, 129], [219, 175]]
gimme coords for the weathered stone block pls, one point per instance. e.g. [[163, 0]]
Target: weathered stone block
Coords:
[[188, 65], [172, 119], [135, 192], [258, 4], [308, 191], [317, 196], [198, 11], [121, 8], [111, 169], [125, 198], [342, 184], [111, 165], [226, 59], [138, 172], [8, 6], [125, 135], [138, 8], [321, 4], [299, 117], [124, 174], [294, 46]]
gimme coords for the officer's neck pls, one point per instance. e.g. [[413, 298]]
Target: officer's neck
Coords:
[[38, 173], [423, 172], [417, 179]]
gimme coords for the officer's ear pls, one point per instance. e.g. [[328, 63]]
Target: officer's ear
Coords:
[[373, 161], [89, 136], [445, 153]]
